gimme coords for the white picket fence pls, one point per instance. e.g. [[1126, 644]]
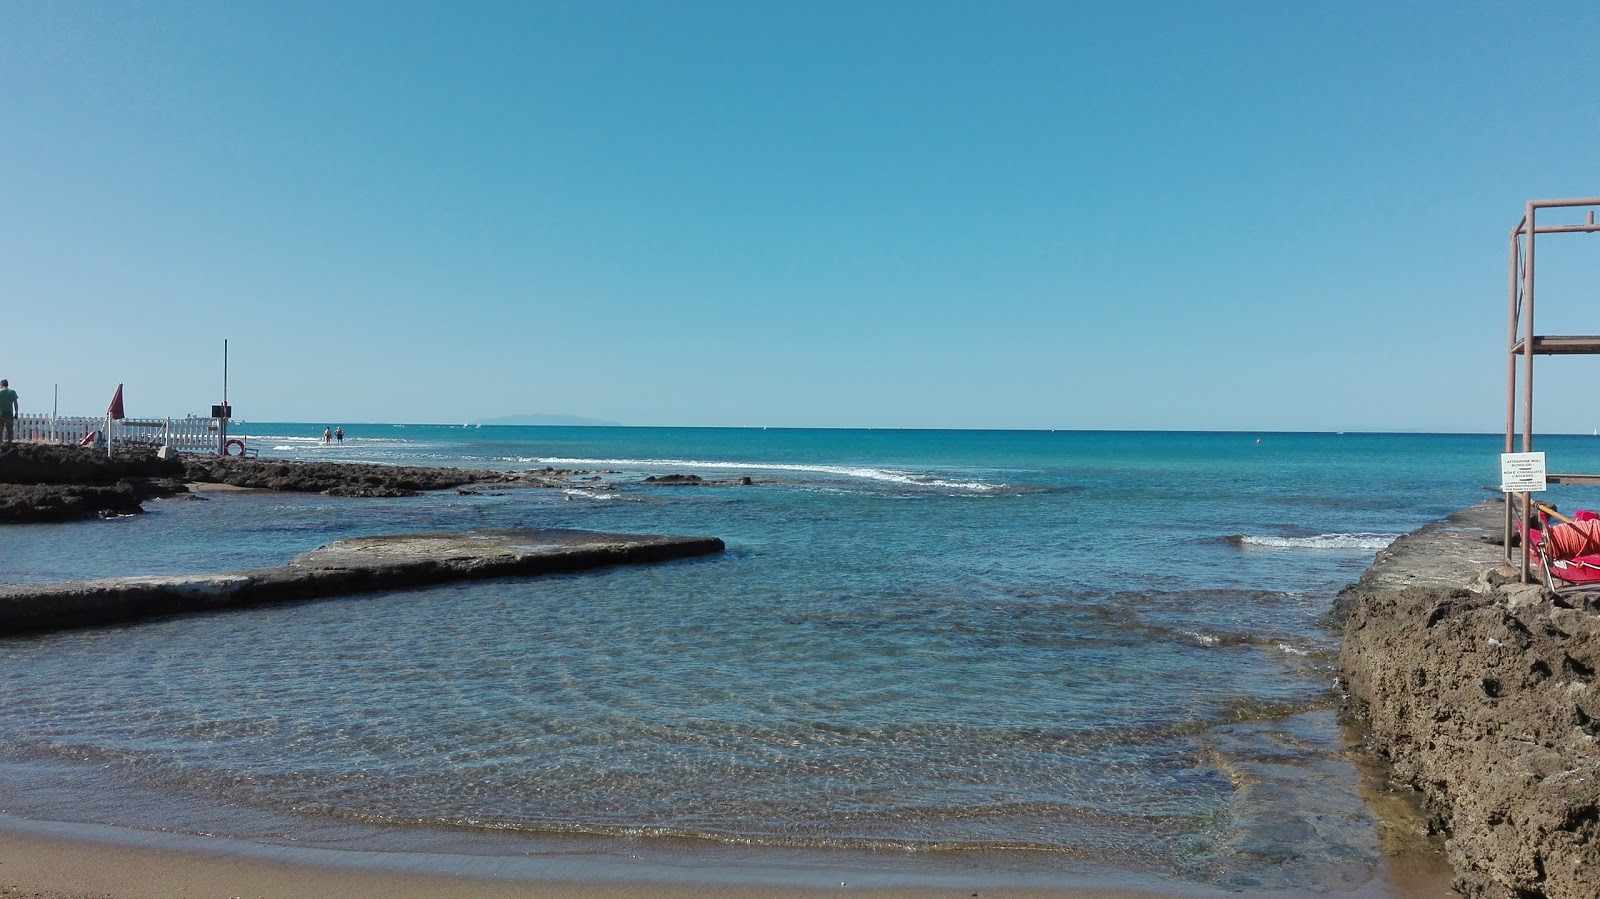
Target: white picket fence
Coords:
[[186, 435]]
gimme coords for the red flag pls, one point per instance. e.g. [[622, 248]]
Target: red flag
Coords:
[[114, 411]]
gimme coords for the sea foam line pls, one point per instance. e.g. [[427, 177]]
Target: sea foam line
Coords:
[[1321, 541], [885, 475]]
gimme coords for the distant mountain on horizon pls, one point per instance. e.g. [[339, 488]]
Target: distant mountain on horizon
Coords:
[[543, 418]]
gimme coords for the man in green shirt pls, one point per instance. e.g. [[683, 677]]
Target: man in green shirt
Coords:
[[8, 411]]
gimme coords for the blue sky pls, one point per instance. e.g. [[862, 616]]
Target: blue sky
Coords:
[[1248, 216]]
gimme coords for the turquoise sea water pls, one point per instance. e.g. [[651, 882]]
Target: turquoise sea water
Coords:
[[1091, 650]]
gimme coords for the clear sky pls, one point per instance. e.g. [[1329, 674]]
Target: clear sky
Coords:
[[1184, 215]]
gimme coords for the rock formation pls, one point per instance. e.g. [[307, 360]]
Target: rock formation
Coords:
[[1482, 695], [43, 482]]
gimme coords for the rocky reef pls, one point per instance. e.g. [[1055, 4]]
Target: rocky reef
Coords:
[[1481, 694], [43, 482], [332, 478]]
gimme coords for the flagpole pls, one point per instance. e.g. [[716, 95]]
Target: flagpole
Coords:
[[113, 413]]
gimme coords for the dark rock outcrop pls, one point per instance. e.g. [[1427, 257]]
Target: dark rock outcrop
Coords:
[[333, 478], [66, 502], [692, 480], [1482, 695], [43, 463], [41, 482]]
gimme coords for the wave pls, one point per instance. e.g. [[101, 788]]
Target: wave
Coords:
[[294, 441], [1320, 541], [859, 472], [417, 453]]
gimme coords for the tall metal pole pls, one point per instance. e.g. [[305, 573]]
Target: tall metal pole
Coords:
[[1511, 375], [1527, 372], [222, 420], [1527, 336], [1514, 313]]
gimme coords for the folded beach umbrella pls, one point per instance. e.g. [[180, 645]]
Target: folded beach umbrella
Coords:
[[114, 411]]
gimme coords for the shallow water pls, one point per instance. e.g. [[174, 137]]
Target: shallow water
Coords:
[[1106, 647]]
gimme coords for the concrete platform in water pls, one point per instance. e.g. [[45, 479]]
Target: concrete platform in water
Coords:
[[352, 565]]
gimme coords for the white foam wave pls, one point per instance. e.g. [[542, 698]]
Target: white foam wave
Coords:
[[348, 440], [1322, 541], [291, 443], [265, 437], [882, 475], [1284, 647]]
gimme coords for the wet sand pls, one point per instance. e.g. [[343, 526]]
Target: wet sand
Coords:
[[53, 866], [45, 860]]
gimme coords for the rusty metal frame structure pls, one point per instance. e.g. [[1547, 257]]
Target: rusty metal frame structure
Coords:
[[1524, 344]]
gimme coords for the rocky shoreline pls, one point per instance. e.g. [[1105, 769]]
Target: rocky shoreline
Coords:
[[1481, 694], [49, 483]]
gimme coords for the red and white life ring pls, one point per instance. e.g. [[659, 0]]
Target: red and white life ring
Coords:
[[234, 442]]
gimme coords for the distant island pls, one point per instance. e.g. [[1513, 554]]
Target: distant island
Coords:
[[540, 418]]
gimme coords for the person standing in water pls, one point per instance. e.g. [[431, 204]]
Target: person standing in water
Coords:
[[338, 434], [327, 435], [8, 411]]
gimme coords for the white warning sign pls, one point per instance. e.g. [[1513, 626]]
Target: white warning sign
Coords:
[[1521, 472]]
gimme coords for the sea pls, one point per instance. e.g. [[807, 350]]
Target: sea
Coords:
[[1032, 658]]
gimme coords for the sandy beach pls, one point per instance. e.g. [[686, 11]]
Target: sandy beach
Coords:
[[41, 862]]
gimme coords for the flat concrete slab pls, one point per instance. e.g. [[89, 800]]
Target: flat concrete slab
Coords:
[[352, 565], [1456, 551]]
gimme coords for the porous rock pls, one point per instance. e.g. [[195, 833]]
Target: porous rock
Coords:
[[338, 479], [47, 483], [1485, 700]]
